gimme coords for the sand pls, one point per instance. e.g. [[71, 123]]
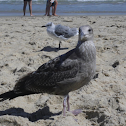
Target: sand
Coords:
[[25, 45]]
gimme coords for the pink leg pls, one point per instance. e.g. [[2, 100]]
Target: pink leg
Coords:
[[64, 105], [75, 112], [68, 105]]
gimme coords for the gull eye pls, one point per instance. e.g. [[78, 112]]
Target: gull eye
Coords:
[[79, 30], [89, 30]]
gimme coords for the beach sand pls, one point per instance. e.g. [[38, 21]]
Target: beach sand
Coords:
[[25, 45]]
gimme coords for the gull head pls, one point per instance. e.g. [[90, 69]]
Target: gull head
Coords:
[[49, 25], [85, 33]]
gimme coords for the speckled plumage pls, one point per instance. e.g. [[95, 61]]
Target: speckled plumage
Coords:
[[62, 74], [47, 77]]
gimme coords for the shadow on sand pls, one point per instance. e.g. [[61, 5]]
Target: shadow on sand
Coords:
[[51, 49], [40, 114]]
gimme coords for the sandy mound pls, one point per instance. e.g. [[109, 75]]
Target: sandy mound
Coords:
[[25, 45]]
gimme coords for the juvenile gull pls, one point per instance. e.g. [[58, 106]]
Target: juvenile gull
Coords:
[[60, 32], [63, 74]]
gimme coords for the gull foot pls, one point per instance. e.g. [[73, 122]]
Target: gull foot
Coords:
[[76, 112]]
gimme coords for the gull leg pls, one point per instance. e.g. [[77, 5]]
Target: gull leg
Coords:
[[75, 112], [68, 104], [64, 105], [59, 44]]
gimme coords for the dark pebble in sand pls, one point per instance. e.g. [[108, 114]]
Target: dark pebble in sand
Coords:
[[116, 63]]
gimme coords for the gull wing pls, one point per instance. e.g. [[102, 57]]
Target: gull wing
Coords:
[[65, 32], [47, 76]]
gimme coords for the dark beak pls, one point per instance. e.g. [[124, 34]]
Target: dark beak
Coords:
[[44, 26]]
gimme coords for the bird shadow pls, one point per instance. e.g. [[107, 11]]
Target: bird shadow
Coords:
[[51, 49], [33, 117]]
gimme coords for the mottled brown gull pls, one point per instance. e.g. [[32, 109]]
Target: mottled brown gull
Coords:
[[60, 32], [62, 74]]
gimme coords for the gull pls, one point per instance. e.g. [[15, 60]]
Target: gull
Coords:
[[60, 32], [63, 74]]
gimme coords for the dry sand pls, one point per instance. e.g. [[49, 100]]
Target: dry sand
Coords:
[[103, 101]]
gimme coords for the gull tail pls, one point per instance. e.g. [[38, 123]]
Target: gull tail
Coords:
[[8, 95], [19, 89]]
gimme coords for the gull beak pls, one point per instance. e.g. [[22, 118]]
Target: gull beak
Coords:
[[43, 26], [82, 35]]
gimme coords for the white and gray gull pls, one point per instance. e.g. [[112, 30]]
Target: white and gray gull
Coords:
[[60, 32], [63, 74]]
